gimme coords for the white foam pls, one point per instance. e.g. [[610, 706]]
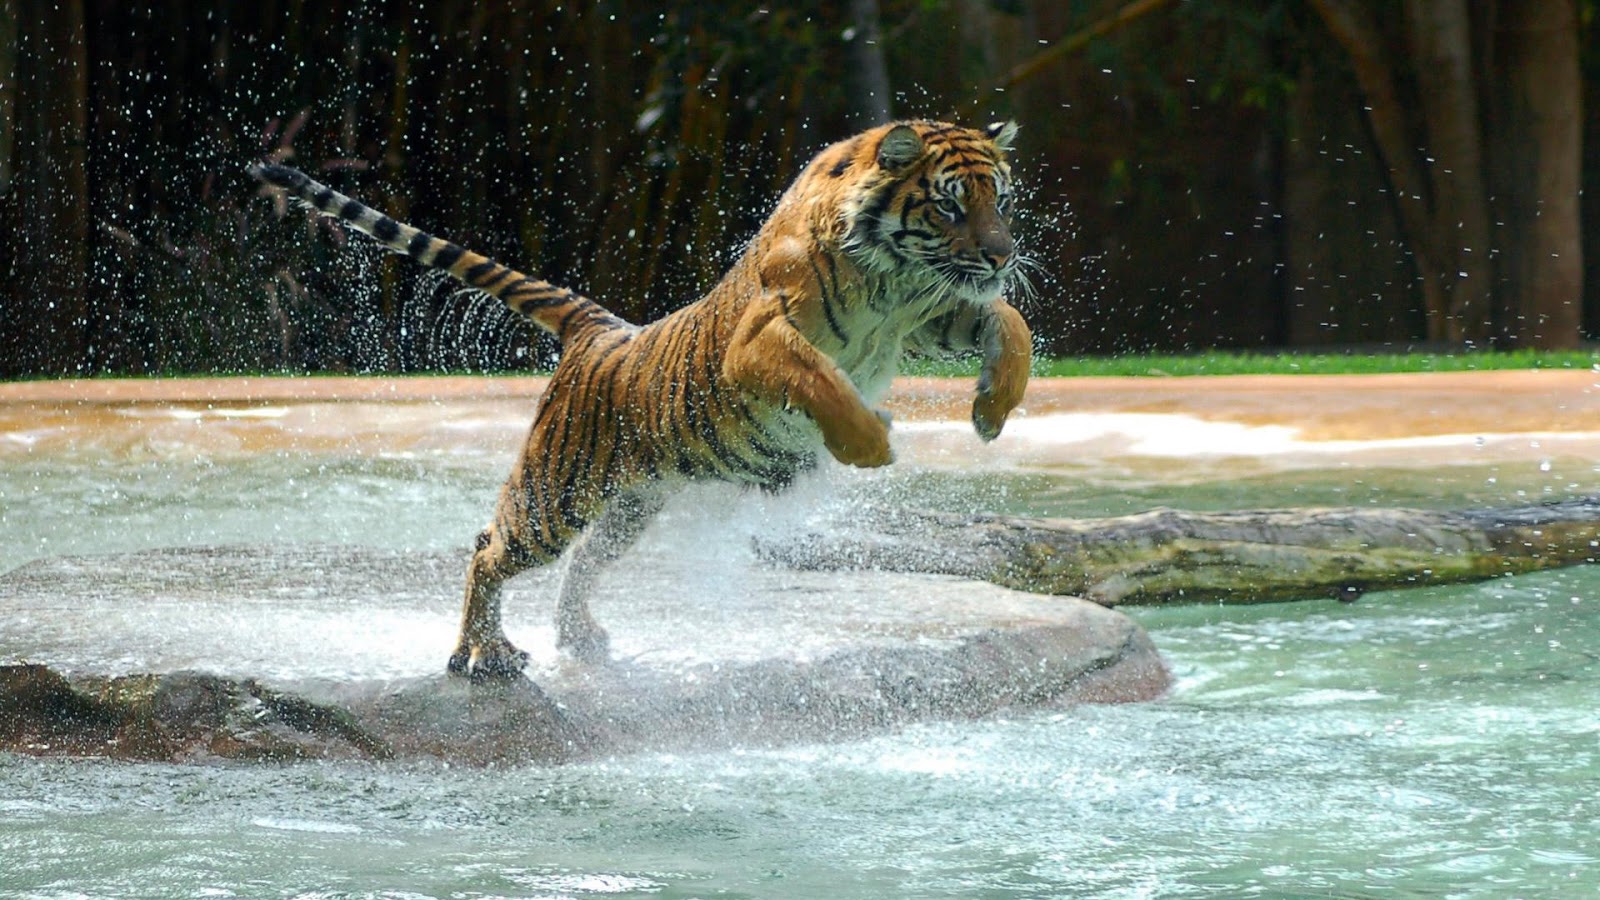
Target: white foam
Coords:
[[1172, 436], [192, 414], [305, 825]]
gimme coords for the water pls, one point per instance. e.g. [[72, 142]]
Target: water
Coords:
[[1432, 743], [1441, 745]]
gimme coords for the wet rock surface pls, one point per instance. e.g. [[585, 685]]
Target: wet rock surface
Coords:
[[881, 651], [178, 716]]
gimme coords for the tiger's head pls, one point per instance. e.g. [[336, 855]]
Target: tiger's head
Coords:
[[935, 203]]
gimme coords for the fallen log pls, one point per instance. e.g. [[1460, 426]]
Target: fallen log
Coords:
[[1167, 556]]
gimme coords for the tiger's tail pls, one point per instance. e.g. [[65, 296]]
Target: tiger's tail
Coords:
[[555, 309]]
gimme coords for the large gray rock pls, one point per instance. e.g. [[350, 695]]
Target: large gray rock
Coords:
[[328, 652]]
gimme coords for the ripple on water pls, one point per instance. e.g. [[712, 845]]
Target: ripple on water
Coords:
[[1440, 741]]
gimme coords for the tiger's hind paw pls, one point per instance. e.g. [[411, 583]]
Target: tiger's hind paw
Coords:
[[591, 646], [495, 661]]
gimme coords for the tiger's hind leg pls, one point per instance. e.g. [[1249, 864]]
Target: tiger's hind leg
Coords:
[[611, 534], [483, 651]]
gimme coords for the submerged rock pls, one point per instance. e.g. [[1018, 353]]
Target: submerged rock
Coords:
[[179, 716], [328, 662]]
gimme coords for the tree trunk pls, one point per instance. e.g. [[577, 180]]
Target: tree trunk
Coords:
[[1376, 73], [8, 92], [1343, 281], [1166, 556], [46, 215], [869, 71], [1441, 39], [1538, 128], [1526, 153]]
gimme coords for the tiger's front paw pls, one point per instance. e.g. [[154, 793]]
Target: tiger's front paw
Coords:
[[1000, 389], [989, 413], [865, 445], [495, 660], [1004, 377]]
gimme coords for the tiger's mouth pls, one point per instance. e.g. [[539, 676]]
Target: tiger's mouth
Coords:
[[976, 284]]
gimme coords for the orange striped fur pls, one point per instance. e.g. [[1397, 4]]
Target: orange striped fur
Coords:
[[895, 240]]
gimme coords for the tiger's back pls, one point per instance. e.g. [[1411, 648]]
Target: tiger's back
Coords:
[[897, 238]]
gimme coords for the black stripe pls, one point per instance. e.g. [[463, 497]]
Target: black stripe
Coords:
[[323, 198], [477, 273], [827, 304], [715, 413], [847, 157], [282, 176], [566, 508], [599, 387], [665, 428], [783, 304], [879, 203], [533, 304], [447, 256], [724, 454], [386, 229], [685, 466], [352, 210], [626, 440], [945, 339], [664, 414], [557, 462], [516, 544], [581, 465], [687, 424], [833, 267], [566, 318], [499, 280], [872, 212], [530, 292], [419, 244], [754, 424], [713, 357]]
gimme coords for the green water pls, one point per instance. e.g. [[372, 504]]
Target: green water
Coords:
[[1432, 743]]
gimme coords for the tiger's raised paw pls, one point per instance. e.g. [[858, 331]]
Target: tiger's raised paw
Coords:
[[494, 661], [989, 415]]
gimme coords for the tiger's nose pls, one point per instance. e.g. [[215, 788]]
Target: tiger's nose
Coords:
[[997, 247]]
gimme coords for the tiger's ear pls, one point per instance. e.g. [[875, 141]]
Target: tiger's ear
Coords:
[[1002, 133], [901, 147]]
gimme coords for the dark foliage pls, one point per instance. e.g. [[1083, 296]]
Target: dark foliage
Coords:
[[627, 150]]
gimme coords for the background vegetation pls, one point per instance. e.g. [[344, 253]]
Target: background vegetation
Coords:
[[1204, 174]]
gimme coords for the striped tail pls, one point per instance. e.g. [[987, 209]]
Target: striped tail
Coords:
[[555, 309]]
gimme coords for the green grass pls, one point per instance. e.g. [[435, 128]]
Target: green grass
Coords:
[[1150, 365], [1277, 364]]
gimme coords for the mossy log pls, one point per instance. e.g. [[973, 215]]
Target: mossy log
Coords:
[[1166, 556]]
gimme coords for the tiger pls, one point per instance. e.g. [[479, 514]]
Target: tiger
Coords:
[[895, 240]]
